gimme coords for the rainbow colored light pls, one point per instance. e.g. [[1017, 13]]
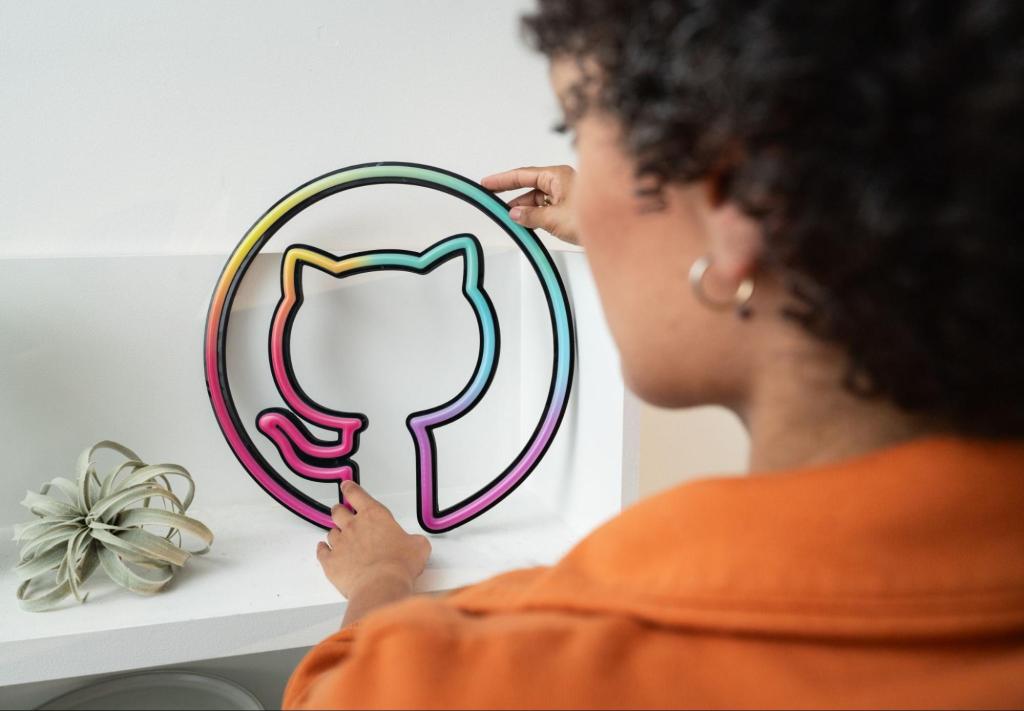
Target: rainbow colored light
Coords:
[[285, 427]]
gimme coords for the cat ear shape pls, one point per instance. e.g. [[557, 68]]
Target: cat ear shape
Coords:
[[465, 246]]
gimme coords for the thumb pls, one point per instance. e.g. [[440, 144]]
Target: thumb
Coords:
[[529, 216]]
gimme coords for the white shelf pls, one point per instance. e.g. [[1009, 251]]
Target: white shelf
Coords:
[[239, 598], [119, 227], [260, 588]]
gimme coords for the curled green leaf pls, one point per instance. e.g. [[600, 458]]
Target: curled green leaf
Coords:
[[99, 522]]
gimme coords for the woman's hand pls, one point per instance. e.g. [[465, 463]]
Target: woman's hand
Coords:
[[546, 205], [367, 556]]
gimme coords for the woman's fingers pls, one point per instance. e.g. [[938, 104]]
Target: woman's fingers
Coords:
[[534, 198], [357, 497], [369, 547], [547, 180], [333, 539], [512, 179], [532, 217], [552, 218], [340, 515], [546, 204]]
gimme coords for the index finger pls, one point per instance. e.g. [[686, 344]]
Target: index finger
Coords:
[[357, 497], [512, 179]]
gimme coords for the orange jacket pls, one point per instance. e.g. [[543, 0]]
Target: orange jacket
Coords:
[[896, 579]]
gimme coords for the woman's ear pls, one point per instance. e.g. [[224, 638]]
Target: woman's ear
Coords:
[[735, 240]]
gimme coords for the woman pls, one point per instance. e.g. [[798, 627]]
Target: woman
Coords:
[[806, 212]]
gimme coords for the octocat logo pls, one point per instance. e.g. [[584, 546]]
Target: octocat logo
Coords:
[[313, 458]]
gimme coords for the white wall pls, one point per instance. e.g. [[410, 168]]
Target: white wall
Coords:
[[166, 127], [160, 127]]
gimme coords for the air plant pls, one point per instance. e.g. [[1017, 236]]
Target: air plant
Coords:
[[102, 522]]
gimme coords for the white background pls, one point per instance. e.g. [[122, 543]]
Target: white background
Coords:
[[133, 127], [165, 128]]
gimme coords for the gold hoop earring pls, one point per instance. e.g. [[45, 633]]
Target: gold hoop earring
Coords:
[[739, 301]]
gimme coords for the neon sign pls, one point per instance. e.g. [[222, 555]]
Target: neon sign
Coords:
[[313, 458]]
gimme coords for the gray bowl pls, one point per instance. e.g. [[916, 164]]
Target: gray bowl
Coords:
[[150, 691]]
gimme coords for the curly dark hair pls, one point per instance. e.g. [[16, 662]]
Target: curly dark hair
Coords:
[[879, 144]]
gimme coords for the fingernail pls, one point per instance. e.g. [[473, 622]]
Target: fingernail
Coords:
[[516, 213]]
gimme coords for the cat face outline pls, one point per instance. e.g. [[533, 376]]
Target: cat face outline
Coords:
[[321, 460], [239, 435]]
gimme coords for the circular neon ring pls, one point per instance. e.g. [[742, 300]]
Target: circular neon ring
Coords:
[[431, 517]]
